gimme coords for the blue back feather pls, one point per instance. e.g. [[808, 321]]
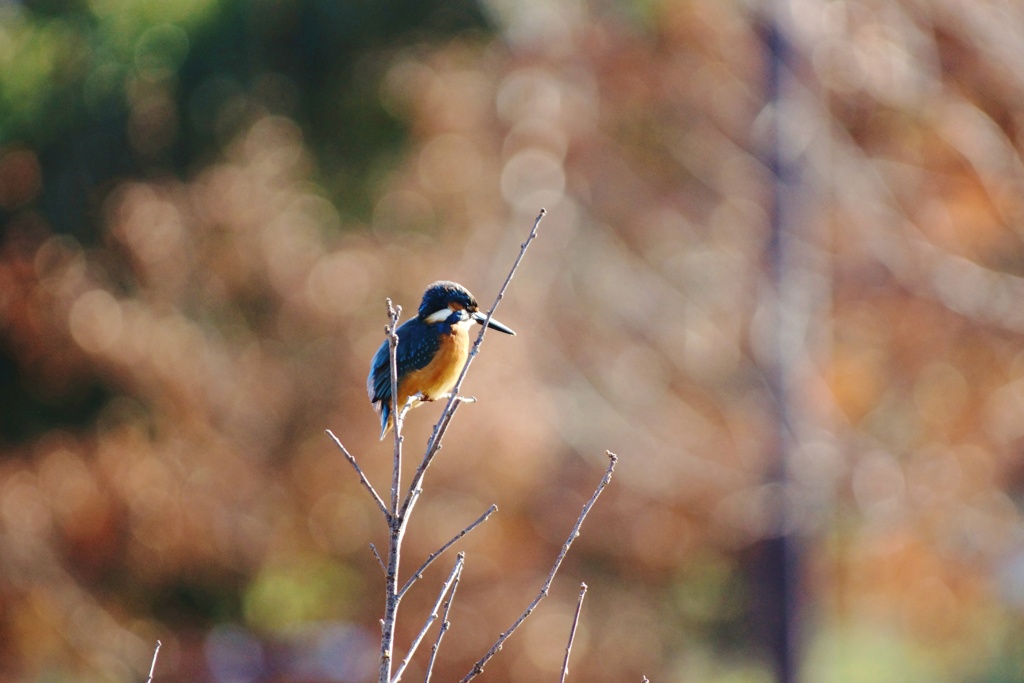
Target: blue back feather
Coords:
[[417, 344]]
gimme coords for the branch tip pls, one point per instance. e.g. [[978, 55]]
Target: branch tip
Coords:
[[572, 631], [152, 666]]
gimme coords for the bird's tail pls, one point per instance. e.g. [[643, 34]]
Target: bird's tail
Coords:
[[385, 419]]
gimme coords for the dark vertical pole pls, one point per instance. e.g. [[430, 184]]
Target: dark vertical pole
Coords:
[[777, 561]]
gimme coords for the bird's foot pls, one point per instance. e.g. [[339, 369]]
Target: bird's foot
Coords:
[[410, 403]]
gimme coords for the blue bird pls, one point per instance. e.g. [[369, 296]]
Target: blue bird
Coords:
[[432, 348]]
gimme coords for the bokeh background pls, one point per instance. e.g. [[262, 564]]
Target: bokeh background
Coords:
[[781, 277]]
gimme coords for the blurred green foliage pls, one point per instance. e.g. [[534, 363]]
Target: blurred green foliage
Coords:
[[106, 88]]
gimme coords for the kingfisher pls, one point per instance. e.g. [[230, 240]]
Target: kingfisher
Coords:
[[432, 348]]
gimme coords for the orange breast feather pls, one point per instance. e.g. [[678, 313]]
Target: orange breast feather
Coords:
[[440, 375]]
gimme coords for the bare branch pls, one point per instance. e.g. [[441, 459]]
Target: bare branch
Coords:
[[396, 417], [373, 549], [452, 578], [419, 572], [572, 632], [479, 666], [396, 521], [152, 666], [362, 477]]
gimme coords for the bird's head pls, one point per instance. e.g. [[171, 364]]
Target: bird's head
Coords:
[[449, 302]]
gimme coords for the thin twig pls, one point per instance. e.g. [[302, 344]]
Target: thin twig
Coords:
[[396, 418], [479, 666], [396, 521], [373, 549], [452, 578], [152, 666], [454, 400], [362, 477], [419, 572], [572, 632], [445, 625]]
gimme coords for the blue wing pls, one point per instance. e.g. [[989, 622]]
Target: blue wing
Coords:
[[417, 345]]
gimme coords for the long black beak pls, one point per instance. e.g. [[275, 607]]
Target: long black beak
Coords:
[[482, 317]]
